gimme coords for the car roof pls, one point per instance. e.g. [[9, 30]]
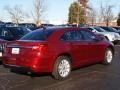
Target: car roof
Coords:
[[11, 27], [61, 28]]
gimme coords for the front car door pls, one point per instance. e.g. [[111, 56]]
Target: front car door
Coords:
[[95, 48], [78, 47]]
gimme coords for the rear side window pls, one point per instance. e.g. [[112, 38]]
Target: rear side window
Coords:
[[37, 35]]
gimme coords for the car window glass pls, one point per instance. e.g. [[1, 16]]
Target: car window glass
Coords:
[[99, 29], [6, 33], [88, 36], [72, 36], [90, 29], [1, 31], [109, 29], [19, 32], [37, 35]]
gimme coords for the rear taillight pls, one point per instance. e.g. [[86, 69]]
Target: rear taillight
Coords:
[[40, 48]]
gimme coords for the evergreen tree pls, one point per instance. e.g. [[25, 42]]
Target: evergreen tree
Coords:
[[74, 10]]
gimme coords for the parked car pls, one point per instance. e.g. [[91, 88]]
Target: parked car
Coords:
[[10, 34], [117, 28], [57, 50], [111, 36], [13, 33], [109, 29], [10, 24], [31, 26], [2, 46], [1, 22], [47, 25]]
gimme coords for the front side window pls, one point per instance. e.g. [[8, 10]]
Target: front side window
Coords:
[[88, 36], [72, 36]]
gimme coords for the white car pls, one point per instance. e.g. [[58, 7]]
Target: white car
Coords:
[[111, 36]]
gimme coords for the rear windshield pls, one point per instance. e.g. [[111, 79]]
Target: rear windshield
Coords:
[[37, 35]]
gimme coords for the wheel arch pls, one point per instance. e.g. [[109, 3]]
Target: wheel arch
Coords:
[[63, 54], [54, 71]]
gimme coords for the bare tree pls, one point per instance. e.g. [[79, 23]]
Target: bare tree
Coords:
[[38, 10], [107, 14], [16, 13]]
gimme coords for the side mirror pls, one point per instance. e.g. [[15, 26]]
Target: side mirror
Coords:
[[99, 38]]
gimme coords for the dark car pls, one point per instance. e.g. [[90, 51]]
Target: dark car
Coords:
[[12, 33], [9, 34], [2, 46], [110, 29], [47, 25], [117, 28], [57, 50], [31, 26]]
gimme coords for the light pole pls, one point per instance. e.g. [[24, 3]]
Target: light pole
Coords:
[[78, 13]]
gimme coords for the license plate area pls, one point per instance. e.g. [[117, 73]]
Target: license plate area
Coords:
[[15, 50]]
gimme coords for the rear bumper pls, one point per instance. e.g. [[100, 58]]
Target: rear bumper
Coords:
[[37, 65], [18, 68], [27, 69]]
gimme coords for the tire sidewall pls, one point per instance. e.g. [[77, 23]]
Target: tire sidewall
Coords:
[[105, 59], [56, 71]]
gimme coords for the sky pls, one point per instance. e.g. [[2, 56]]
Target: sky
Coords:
[[56, 10]]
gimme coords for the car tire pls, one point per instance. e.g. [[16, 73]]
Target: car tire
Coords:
[[62, 68], [108, 57]]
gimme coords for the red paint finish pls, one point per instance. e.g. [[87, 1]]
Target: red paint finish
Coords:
[[40, 56]]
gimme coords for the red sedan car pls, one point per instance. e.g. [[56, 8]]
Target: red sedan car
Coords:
[[58, 50]]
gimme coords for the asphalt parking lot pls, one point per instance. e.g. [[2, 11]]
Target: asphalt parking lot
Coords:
[[93, 77]]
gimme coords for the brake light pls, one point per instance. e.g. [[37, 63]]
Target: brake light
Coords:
[[41, 47], [35, 47]]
